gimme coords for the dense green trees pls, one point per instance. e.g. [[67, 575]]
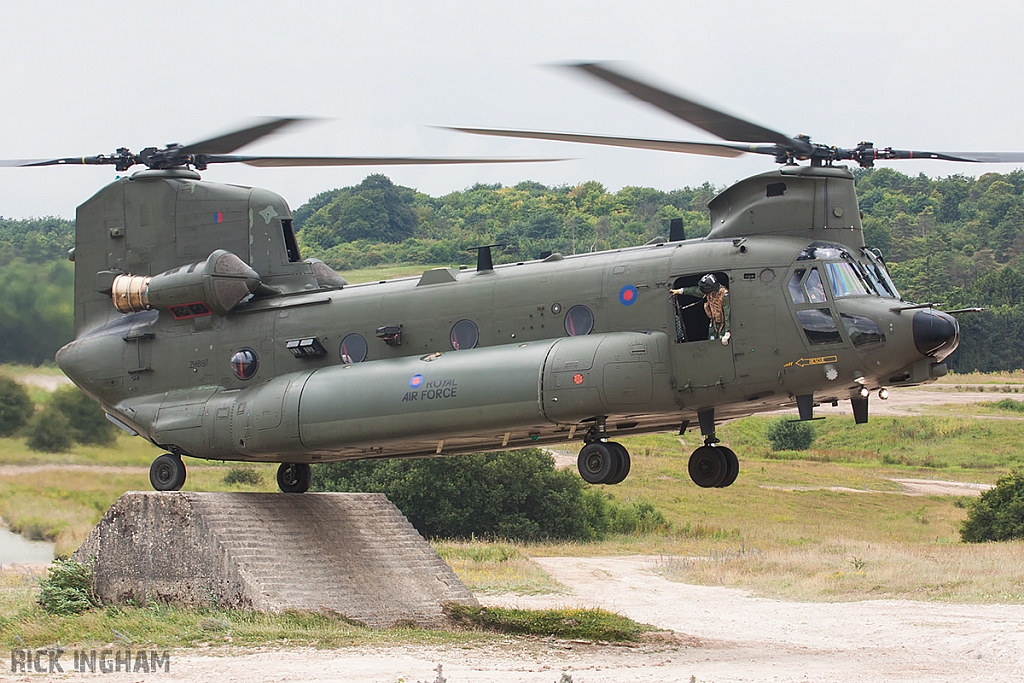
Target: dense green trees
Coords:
[[957, 241], [15, 406]]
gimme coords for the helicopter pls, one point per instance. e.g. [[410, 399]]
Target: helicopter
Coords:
[[200, 327]]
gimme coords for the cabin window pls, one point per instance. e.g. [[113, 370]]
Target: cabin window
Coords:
[[465, 335], [291, 247], [776, 189], [579, 321], [352, 349], [245, 363], [819, 326]]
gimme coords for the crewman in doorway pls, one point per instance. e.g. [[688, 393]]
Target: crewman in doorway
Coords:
[[716, 305]]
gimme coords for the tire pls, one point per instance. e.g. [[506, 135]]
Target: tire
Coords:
[[167, 473], [732, 469], [708, 467], [622, 470], [294, 477], [597, 462]]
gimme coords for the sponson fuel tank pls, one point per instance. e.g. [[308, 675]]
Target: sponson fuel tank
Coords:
[[366, 404]]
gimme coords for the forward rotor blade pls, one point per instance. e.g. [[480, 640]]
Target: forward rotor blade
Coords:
[[705, 148], [972, 157], [718, 123], [229, 142], [272, 162]]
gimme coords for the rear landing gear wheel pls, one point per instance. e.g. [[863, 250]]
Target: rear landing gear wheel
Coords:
[[294, 477], [732, 469], [597, 462], [708, 467], [623, 463], [167, 473]]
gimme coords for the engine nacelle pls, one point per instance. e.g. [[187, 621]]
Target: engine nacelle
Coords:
[[215, 285]]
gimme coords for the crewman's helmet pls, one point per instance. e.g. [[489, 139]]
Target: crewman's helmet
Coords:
[[708, 284]]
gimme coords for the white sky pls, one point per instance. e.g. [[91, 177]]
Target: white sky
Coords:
[[82, 78]]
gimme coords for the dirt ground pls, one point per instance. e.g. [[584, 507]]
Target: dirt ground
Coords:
[[718, 634]]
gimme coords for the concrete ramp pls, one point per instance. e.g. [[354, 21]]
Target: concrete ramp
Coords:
[[350, 553]]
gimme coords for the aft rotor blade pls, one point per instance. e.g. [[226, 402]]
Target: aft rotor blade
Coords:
[[705, 148], [69, 161], [229, 142], [718, 123], [271, 162]]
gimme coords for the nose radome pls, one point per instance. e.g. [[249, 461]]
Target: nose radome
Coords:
[[936, 334]]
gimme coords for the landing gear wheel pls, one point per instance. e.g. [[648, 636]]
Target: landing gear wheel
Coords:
[[623, 463], [597, 462], [732, 469], [708, 466], [294, 477], [167, 473]]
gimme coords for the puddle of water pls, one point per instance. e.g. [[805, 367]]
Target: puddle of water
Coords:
[[15, 549]]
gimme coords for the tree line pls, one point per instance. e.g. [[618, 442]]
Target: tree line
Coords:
[[957, 241]]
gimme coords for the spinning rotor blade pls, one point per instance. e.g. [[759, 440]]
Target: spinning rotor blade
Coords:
[[70, 161], [705, 148], [229, 142], [718, 123], [277, 162]]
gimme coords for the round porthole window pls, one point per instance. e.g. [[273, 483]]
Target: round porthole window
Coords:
[[465, 335], [245, 363], [353, 349], [579, 321]]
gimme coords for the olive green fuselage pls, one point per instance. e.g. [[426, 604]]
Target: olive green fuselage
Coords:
[[483, 360]]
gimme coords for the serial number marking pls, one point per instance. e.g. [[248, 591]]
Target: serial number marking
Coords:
[[196, 364]]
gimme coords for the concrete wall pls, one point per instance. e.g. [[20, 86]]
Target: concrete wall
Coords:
[[350, 553]]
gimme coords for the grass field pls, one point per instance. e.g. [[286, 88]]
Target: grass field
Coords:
[[826, 523]]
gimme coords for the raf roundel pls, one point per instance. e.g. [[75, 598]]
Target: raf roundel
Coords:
[[416, 381], [628, 295]]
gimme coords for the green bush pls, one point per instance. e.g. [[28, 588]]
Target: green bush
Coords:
[[50, 432], [1008, 404], [15, 406], [516, 495], [89, 425], [243, 475], [67, 588], [563, 622], [998, 514], [786, 435]]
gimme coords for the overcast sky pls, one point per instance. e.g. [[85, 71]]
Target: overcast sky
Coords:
[[85, 78]]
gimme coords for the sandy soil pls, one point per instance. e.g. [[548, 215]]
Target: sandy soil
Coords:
[[720, 634]]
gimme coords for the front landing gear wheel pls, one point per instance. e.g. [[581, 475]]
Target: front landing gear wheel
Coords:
[[708, 467], [294, 477], [732, 469], [167, 473]]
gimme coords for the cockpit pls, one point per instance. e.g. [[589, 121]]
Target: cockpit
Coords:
[[822, 265]]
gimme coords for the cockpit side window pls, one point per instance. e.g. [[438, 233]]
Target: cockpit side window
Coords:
[[796, 292], [815, 288]]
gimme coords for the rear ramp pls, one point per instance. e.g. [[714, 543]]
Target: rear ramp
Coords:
[[354, 554]]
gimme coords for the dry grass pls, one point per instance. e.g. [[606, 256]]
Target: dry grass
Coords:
[[841, 570], [1012, 377], [490, 568]]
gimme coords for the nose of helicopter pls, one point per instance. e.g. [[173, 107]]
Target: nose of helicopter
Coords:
[[936, 334]]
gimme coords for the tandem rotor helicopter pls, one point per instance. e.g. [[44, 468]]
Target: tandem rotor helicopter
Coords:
[[200, 327]]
